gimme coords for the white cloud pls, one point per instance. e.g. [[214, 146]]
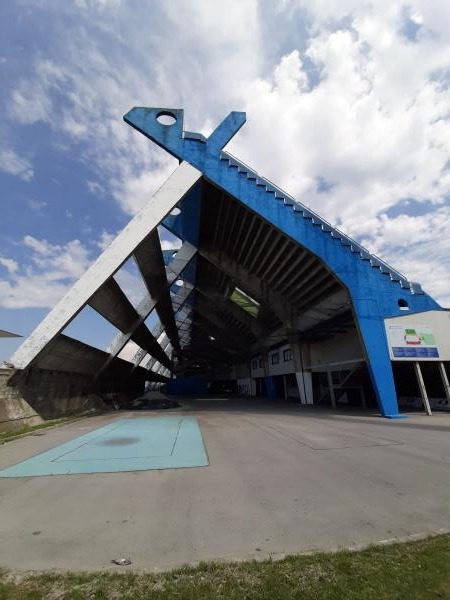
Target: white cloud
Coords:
[[30, 103], [95, 188], [130, 280], [354, 103], [47, 275], [106, 238], [100, 70], [128, 351], [13, 164], [41, 247], [419, 246], [10, 264], [98, 4], [36, 206], [171, 244], [132, 192]]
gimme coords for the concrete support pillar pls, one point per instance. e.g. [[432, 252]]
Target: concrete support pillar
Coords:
[[246, 384], [423, 389], [301, 359], [331, 388], [271, 388], [373, 336], [363, 398], [304, 384], [445, 381]]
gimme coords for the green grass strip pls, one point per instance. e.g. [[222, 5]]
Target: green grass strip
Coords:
[[412, 570], [7, 435]]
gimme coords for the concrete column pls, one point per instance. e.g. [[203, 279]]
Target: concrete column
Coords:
[[373, 336], [271, 388], [331, 388], [445, 380], [301, 359], [363, 398], [245, 380], [423, 389]]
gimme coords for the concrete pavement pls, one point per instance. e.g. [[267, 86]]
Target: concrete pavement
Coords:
[[282, 479]]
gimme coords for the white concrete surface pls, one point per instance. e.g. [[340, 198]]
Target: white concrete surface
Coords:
[[283, 478], [111, 259]]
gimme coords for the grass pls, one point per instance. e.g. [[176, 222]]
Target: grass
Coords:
[[412, 570], [7, 436]]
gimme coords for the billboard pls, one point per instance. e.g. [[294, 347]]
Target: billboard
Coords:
[[420, 336], [412, 341]]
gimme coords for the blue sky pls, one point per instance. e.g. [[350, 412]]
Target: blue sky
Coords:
[[347, 103]]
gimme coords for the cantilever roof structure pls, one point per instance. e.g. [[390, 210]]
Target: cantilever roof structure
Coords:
[[255, 267]]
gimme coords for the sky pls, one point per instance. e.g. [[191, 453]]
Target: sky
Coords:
[[348, 110]]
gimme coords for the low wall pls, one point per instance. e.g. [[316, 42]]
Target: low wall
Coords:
[[29, 397], [46, 394], [15, 412]]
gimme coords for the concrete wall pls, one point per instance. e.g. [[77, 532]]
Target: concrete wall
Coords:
[[48, 394], [15, 412], [258, 371], [281, 367], [246, 386], [340, 348]]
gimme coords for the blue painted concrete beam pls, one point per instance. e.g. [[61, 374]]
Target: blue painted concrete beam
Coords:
[[225, 131]]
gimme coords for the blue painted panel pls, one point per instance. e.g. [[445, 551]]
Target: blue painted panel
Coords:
[[188, 386], [124, 445], [412, 352], [186, 225], [271, 388]]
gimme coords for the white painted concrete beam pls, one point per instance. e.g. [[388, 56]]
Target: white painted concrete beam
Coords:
[[158, 207]]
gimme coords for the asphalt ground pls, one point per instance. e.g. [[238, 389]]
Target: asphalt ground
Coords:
[[282, 479]]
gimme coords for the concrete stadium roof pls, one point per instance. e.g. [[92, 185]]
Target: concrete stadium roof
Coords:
[[238, 230]]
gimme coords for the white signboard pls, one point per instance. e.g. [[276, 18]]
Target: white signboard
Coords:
[[412, 341]]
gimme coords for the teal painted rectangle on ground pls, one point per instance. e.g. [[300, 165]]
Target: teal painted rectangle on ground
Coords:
[[125, 445]]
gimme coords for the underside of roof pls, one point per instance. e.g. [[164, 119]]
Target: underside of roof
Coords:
[[294, 291]]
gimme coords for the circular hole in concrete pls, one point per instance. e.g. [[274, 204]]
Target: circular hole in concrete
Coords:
[[166, 118]]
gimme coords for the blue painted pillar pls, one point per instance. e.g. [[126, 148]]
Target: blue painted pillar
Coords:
[[371, 328], [271, 388]]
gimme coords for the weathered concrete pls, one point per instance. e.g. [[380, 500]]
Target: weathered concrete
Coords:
[[53, 394], [15, 412], [112, 258], [283, 478]]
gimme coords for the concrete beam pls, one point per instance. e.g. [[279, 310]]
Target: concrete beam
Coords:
[[111, 259], [145, 307], [217, 300], [252, 284], [158, 279]]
